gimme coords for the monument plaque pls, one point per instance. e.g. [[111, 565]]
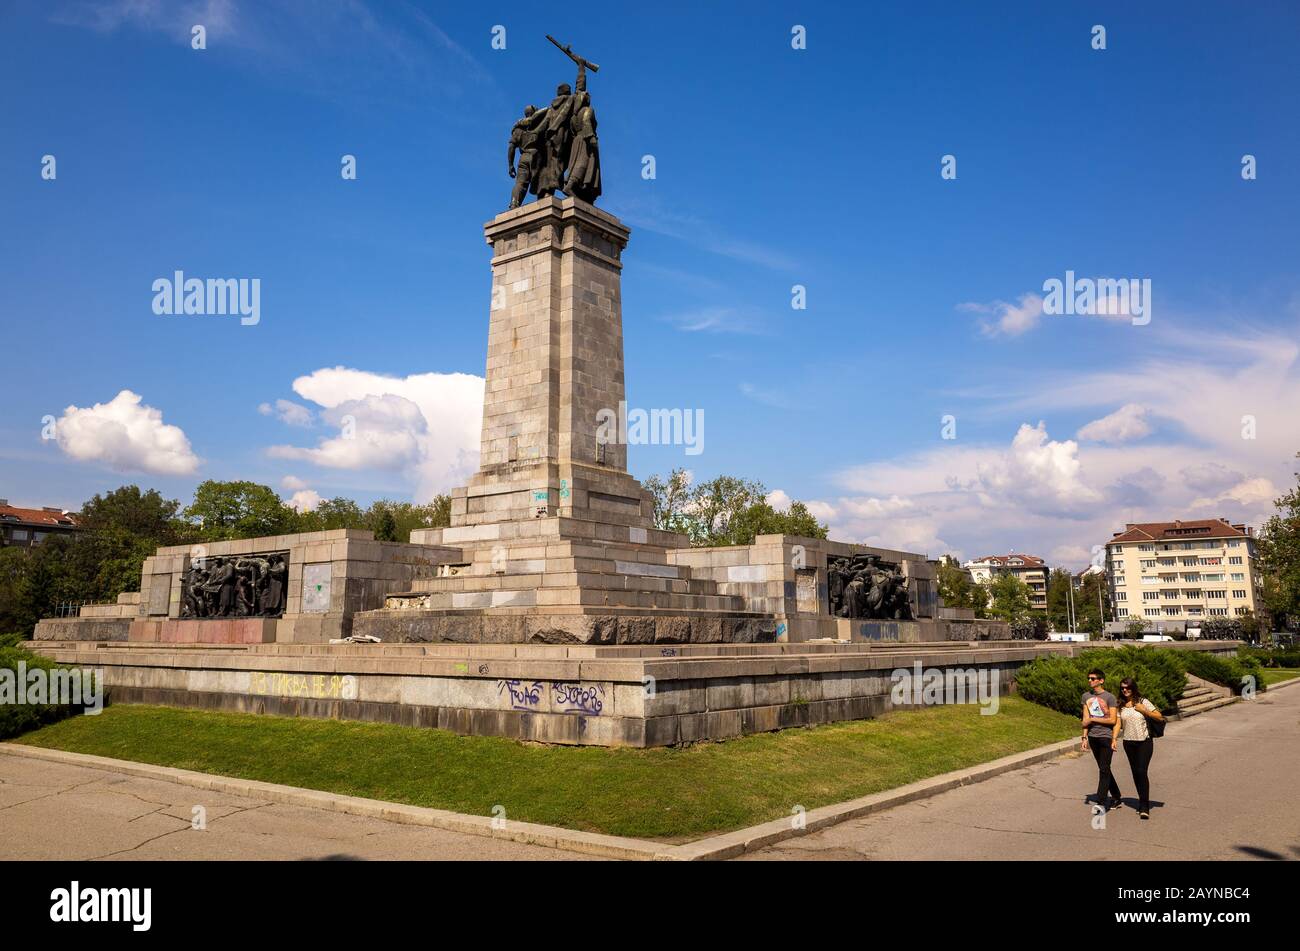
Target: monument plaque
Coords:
[[316, 588]]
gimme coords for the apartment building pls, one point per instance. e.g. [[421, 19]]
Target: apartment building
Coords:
[[26, 528], [1174, 575], [1030, 569]]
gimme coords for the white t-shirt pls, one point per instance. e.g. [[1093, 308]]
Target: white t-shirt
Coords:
[[1133, 724]]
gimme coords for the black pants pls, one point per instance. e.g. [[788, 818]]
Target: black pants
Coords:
[[1139, 758], [1101, 752]]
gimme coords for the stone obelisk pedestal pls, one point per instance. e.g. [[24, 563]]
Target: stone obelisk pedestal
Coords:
[[554, 364], [557, 540]]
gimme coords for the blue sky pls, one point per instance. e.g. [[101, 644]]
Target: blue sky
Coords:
[[775, 167]]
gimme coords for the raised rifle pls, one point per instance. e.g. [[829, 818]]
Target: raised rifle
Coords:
[[568, 51]]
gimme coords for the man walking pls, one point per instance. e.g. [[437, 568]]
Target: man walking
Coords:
[[1101, 735]]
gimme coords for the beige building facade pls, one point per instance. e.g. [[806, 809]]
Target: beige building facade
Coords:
[[1176, 575], [1030, 569]]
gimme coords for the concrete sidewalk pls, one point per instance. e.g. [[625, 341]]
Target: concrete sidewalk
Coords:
[[1223, 786], [51, 810]]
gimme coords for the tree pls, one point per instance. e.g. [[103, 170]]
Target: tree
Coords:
[[386, 527], [1135, 628], [142, 514], [1009, 597], [1279, 560], [762, 519], [669, 498], [1059, 583], [1092, 603], [229, 510], [725, 511]]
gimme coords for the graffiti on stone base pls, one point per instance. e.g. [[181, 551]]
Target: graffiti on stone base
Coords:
[[314, 686], [575, 698], [522, 696]]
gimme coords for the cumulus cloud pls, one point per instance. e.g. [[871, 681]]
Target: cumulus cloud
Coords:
[[1246, 493], [127, 436], [1038, 473], [288, 412], [305, 500], [1124, 425], [292, 483], [425, 426], [1002, 319]]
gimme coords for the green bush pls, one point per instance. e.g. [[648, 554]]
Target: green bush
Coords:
[[1225, 671], [18, 718], [1274, 657], [1059, 682], [11, 640]]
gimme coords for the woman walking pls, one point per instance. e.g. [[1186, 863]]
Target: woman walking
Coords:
[[1134, 712]]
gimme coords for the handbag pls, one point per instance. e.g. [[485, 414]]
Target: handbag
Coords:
[[1155, 728]]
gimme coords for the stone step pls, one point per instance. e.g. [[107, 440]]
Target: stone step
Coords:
[[1203, 705]]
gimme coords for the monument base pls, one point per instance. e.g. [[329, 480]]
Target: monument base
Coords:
[[657, 695]]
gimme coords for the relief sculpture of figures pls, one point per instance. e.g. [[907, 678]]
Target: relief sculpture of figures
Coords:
[[864, 587], [235, 586], [557, 145]]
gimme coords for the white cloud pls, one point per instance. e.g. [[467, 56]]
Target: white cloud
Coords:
[[305, 500], [1004, 319], [292, 483], [126, 436], [164, 16], [426, 426], [288, 412], [1246, 493], [1124, 425]]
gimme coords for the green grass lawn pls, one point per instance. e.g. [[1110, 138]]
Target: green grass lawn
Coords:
[[670, 794], [1274, 675]]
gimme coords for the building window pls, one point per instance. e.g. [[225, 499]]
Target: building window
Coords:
[[1239, 594], [1193, 610], [1121, 612], [1146, 547], [1148, 562], [1153, 612], [1121, 595], [1118, 548], [1238, 576], [1218, 612], [1150, 595], [1234, 560], [1212, 595]]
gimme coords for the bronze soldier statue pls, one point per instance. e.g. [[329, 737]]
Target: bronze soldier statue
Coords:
[[524, 137], [558, 144]]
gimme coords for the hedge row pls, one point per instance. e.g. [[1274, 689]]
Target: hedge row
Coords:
[[16, 718], [1161, 674]]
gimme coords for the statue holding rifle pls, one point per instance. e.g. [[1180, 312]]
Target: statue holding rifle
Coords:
[[557, 145]]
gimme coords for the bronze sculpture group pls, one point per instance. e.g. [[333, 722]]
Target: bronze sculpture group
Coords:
[[863, 586], [235, 586], [557, 145]]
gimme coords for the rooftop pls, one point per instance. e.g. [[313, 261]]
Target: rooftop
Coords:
[[1178, 530]]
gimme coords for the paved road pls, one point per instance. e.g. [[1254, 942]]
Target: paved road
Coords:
[[55, 811], [1223, 786]]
